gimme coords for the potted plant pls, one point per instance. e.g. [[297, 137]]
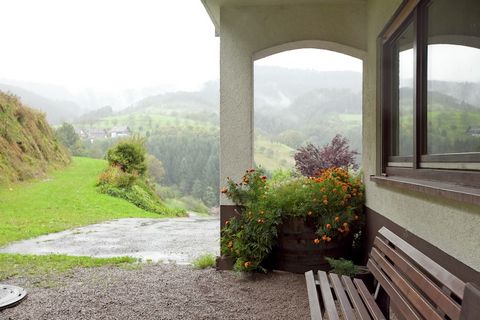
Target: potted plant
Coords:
[[297, 221], [348, 268]]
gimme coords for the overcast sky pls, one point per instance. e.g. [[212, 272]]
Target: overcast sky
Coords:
[[118, 44]]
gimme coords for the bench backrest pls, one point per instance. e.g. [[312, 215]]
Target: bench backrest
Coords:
[[418, 287]]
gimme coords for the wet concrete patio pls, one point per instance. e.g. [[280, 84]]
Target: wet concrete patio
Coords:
[[176, 240]]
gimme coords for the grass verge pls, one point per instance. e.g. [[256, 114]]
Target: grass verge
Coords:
[[204, 261], [20, 265]]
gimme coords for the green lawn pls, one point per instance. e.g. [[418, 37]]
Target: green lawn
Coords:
[[31, 265], [66, 199]]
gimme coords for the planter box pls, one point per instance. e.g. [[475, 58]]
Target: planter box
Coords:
[[295, 251]]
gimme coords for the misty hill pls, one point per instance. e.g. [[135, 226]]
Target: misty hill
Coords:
[[57, 111], [86, 99], [28, 146]]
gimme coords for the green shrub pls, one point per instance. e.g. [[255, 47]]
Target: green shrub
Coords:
[[342, 267], [129, 155], [115, 177], [204, 261], [141, 198]]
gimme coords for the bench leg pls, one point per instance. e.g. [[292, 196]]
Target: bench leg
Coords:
[[383, 302]]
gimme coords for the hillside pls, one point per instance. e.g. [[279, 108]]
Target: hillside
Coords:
[[57, 111], [28, 146]]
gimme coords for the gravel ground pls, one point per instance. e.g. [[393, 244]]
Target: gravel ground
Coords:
[[162, 291]]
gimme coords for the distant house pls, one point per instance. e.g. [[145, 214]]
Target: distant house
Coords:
[[473, 131], [120, 131], [95, 134]]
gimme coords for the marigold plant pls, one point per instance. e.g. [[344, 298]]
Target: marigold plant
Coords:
[[333, 200]]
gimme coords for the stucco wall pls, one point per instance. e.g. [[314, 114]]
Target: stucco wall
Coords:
[[251, 32], [452, 227]]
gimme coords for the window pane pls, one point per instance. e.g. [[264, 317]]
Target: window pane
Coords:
[[453, 100], [402, 126]]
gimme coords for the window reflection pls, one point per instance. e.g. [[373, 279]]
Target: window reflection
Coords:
[[404, 98], [453, 64]]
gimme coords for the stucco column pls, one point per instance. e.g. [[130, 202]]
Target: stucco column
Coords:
[[236, 107]]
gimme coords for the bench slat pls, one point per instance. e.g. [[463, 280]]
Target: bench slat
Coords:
[[412, 295], [433, 268], [439, 297], [369, 301], [342, 297], [313, 302], [355, 298], [327, 296], [395, 297]]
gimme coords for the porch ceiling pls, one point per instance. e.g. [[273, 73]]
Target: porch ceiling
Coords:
[[213, 6]]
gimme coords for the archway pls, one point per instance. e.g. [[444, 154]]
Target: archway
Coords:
[[302, 95]]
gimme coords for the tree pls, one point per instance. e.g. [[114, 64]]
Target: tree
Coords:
[[155, 168], [310, 159], [291, 138], [197, 189], [129, 155], [68, 137]]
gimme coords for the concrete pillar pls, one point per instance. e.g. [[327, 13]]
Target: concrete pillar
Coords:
[[236, 106]]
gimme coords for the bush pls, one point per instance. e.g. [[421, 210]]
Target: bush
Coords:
[[129, 155], [117, 178], [310, 160], [342, 267], [142, 198], [204, 261]]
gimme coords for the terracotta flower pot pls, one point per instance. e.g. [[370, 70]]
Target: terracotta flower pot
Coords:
[[296, 252]]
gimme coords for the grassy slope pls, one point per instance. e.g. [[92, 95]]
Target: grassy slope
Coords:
[[28, 146], [273, 155], [67, 199]]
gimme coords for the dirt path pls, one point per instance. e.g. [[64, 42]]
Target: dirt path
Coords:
[[178, 240], [163, 292]]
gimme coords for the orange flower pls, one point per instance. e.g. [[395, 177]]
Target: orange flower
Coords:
[[328, 226], [329, 239], [227, 223], [324, 237], [316, 241], [334, 190], [325, 202], [247, 264], [337, 218], [224, 190]]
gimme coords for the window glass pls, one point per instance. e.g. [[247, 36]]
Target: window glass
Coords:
[[453, 77], [403, 97]]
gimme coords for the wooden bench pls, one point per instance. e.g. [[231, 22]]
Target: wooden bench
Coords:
[[409, 282]]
